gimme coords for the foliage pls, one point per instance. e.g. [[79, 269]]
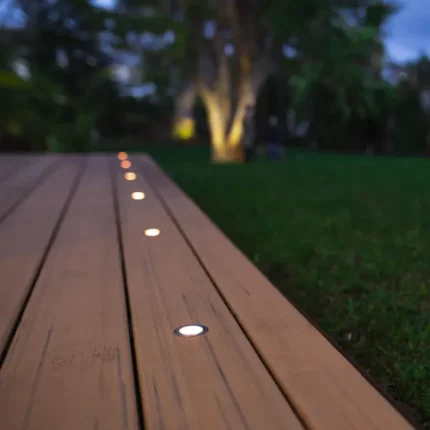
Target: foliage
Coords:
[[335, 54], [335, 74], [12, 81], [58, 104]]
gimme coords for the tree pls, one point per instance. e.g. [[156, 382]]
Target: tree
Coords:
[[229, 55], [224, 51], [336, 72], [68, 87]]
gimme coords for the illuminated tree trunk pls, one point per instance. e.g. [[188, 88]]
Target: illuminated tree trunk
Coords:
[[227, 99], [227, 154], [226, 116], [232, 61], [226, 146]]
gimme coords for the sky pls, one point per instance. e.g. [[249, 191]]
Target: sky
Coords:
[[408, 32], [105, 3]]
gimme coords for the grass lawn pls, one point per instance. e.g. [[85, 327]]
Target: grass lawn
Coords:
[[346, 238]]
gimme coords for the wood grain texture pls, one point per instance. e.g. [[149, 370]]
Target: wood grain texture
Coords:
[[14, 190], [69, 366], [10, 165], [326, 390], [24, 237], [213, 382]]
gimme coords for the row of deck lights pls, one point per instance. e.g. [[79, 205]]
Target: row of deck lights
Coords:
[[192, 330]]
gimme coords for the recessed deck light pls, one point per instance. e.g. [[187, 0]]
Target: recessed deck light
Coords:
[[152, 232], [191, 330], [130, 176], [125, 164], [122, 156], [137, 195]]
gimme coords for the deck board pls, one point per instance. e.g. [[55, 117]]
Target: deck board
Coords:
[[21, 184], [69, 365], [213, 382], [26, 236], [326, 389], [10, 165]]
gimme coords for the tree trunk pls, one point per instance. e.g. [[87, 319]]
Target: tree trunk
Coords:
[[223, 148], [227, 128], [228, 154], [228, 106], [228, 88], [184, 122]]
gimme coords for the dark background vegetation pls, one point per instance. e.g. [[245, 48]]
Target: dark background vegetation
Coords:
[[58, 106]]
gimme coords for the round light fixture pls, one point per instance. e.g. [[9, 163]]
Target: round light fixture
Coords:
[[130, 176], [122, 156], [125, 164], [152, 232], [191, 330], [137, 195]]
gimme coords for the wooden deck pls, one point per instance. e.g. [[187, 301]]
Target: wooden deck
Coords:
[[89, 304]]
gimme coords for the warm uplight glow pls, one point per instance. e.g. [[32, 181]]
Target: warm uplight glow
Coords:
[[137, 195], [191, 330], [125, 164], [152, 232], [130, 176], [184, 129], [122, 156]]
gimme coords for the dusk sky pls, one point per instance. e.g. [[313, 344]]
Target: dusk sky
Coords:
[[409, 31]]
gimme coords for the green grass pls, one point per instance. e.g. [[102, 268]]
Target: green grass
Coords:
[[345, 238]]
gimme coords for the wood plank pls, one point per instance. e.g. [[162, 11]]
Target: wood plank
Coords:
[[10, 165], [69, 366], [214, 382], [13, 191], [24, 238], [325, 388]]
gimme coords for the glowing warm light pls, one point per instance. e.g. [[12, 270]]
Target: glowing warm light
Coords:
[[137, 195], [152, 232], [191, 330], [130, 176], [122, 156], [125, 164], [184, 129]]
